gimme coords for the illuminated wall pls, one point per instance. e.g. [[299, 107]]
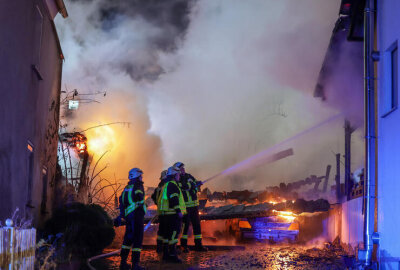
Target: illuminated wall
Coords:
[[388, 34]]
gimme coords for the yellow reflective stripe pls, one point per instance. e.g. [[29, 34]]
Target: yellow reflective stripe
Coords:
[[138, 191], [197, 236], [172, 242], [173, 235], [175, 195], [191, 204], [128, 188], [176, 207], [136, 249], [163, 198], [130, 196], [135, 205], [184, 237], [165, 241], [126, 247], [167, 212], [159, 237]]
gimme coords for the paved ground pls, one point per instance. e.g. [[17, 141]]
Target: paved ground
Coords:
[[253, 257]]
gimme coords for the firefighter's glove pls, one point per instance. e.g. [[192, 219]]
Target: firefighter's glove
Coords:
[[199, 183]]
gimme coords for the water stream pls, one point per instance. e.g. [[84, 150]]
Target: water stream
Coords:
[[270, 154]]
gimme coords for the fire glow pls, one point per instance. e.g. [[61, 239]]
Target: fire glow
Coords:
[[101, 139], [79, 141], [287, 215]]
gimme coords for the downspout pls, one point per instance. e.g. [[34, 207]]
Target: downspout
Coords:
[[370, 238]]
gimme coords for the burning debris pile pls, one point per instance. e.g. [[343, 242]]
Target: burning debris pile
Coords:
[[285, 197], [275, 194], [264, 209]]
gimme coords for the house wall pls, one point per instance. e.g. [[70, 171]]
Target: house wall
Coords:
[[29, 106], [388, 27]]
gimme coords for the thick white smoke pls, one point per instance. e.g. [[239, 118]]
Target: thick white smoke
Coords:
[[233, 81]]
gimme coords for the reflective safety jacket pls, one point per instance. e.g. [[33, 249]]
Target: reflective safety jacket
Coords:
[[132, 197], [171, 200], [156, 194], [189, 188]]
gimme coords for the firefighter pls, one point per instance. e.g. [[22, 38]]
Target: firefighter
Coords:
[[190, 187], [133, 210], [171, 208], [155, 196]]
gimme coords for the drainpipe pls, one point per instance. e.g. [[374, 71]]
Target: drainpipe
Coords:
[[370, 238]]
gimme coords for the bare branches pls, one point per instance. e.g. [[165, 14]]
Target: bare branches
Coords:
[[108, 124], [97, 162]]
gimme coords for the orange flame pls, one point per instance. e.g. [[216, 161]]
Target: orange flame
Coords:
[[80, 143], [287, 215]]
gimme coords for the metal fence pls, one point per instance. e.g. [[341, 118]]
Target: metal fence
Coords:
[[17, 247]]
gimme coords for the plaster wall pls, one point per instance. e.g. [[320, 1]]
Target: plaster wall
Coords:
[[388, 33], [29, 106]]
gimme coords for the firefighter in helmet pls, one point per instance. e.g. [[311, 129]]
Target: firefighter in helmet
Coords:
[[171, 208], [155, 196], [190, 187], [133, 210]]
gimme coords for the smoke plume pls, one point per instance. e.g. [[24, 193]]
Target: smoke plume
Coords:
[[208, 83]]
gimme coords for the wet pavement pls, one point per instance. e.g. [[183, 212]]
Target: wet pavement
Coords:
[[253, 257]]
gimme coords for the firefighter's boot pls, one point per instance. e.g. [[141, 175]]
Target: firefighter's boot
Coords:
[[198, 246], [165, 252], [136, 260], [173, 256], [184, 246], [159, 248], [124, 257]]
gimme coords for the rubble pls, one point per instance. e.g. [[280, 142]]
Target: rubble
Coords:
[[264, 209], [307, 188]]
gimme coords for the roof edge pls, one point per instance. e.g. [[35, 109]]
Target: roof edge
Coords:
[[62, 8]]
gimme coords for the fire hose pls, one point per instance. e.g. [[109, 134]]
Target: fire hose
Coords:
[[115, 252]]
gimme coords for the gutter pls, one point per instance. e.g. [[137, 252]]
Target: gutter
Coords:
[[370, 237]]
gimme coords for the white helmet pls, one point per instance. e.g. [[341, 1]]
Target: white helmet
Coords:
[[135, 173], [172, 171], [178, 165]]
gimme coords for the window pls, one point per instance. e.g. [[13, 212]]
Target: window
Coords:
[[390, 79]]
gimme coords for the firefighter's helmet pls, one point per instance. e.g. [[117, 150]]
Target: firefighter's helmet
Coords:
[[179, 165], [135, 173], [172, 171]]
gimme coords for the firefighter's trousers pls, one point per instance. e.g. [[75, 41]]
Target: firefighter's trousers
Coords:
[[133, 237], [162, 226], [171, 228], [192, 217]]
